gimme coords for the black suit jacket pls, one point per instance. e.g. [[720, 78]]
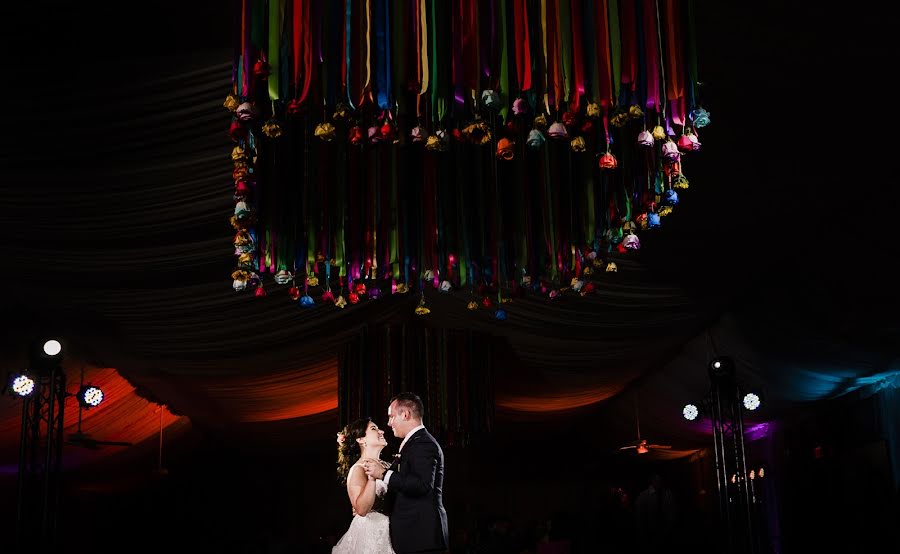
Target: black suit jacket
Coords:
[[418, 518]]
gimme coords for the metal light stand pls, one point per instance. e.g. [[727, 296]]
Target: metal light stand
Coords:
[[735, 509], [40, 458]]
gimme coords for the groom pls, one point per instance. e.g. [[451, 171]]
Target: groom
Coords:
[[415, 480]]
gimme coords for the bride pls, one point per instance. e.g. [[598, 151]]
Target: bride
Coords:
[[369, 532]]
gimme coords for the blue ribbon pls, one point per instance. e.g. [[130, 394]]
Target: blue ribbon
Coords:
[[383, 54]]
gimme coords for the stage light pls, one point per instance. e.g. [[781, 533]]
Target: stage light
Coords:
[[690, 412], [52, 347], [752, 475], [721, 367], [21, 384], [90, 396], [751, 401], [762, 473]]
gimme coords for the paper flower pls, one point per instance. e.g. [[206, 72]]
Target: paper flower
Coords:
[[577, 145], [472, 305], [293, 293], [645, 138], [659, 133], [520, 106], [340, 302], [325, 131], [272, 129], [246, 112], [535, 140], [670, 151], [558, 131], [632, 242], [500, 315], [593, 110], [611, 267], [418, 135], [506, 149], [490, 99], [283, 277], [231, 103], [608, 161], [540, 122], [700, 117], [341, 112], [307, 301]]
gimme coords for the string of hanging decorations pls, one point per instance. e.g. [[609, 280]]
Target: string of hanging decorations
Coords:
[[497, 146]]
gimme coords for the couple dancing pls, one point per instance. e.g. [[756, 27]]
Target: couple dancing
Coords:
[[409, 490]]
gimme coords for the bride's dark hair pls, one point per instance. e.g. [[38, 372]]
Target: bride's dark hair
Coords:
[[348, 449]]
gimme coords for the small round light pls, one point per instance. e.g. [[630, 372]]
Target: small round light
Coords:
[[751, 401], [90, 396], [23, 385], [717, 364], [762, 473], [52, 347], [690, 412]]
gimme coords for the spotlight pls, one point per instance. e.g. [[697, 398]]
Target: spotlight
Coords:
[[721, 367], [690, 412], [21, 384], [90, 396], [52, 347], [751, 401]]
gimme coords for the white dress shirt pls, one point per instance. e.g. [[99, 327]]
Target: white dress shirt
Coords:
[[387, 475]]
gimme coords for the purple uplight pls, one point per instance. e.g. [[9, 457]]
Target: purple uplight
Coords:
[[756, 432]]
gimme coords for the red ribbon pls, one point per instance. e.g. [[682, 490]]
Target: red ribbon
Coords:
[[651, 54], [674, 65], [628, 29], [523, 45], [603, 62], [577, 56]]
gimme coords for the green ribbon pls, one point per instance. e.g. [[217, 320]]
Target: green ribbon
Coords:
[[275, 16], [564, 38], [615, 50], [504, 64]]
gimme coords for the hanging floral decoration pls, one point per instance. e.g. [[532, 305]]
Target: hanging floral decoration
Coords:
[[496, 147]]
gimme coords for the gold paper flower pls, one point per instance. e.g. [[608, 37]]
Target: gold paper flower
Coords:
[[593, 110], [659, 133], [271, 129], [340, 302], [635, 112], [312, 280], [325, 131], [611, 267], [238, 154], [540, 122], [231, 103], [472, 305], [402, 288], [577, 145]]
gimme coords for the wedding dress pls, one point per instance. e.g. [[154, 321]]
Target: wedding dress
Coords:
[[368, 534]]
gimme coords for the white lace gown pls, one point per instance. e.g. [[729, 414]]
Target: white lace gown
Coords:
[[368, 534]]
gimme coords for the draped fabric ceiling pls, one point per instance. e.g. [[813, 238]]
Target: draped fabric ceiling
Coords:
[[117, 239]]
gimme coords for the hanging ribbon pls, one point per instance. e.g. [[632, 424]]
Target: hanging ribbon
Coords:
[[274, 50], [564, 39], [651, 54], [382, 19], [423, 46], [504, 65], [615, 48], [523, 44], [674, 69], [578, 48], [628, 32]]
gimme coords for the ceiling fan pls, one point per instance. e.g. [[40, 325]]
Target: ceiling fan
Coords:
[[640, 445], [80, 438]]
